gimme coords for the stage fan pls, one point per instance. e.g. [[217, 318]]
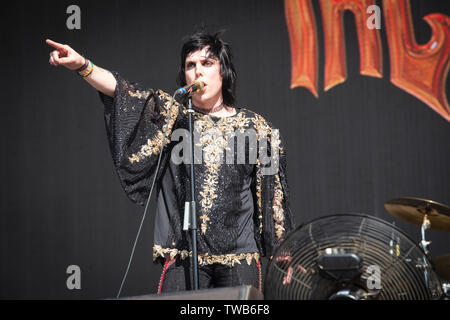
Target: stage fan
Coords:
[[350, 256]]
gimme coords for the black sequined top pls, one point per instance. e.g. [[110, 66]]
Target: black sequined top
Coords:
[[240, 175]]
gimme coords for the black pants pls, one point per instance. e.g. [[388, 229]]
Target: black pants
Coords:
[[177, 275]]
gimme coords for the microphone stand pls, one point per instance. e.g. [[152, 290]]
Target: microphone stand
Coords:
[[193, 213]]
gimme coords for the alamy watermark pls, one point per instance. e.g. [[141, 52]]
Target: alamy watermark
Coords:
[[373, 282], [374, 21], [74, 20], [74, 280], [212, 146]]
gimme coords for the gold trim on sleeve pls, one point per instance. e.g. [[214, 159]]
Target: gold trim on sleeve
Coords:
[[205, 258], [153, 146]]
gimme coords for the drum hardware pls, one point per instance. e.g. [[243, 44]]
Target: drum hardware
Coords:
[[428, 215], [442, 266], [421, 212], [446, 288], [424, 243]]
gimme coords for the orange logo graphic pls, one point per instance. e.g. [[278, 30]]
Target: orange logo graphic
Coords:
[[420, 70]]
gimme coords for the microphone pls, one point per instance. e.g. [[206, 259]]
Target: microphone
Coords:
[[194, 87]]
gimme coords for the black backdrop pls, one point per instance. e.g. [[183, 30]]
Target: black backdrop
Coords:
[[360, 144]]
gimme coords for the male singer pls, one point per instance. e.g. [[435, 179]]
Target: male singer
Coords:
[[242, 207]]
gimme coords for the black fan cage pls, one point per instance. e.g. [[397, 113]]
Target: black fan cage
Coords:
[[392, 267]]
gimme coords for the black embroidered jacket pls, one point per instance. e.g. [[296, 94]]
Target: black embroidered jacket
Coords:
[[240, 175]]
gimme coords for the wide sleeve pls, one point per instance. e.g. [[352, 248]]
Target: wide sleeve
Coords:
[[276, 219], [135, 120]]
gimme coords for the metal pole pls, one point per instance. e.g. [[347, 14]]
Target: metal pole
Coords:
[[193, 213]]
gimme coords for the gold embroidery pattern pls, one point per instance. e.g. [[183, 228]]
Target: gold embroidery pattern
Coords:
[[259, 194], [208, 193], [213, 140], [273, 136], [159, 251], [276, 142], [261, 126], [205, 258], [138, 94], [264, 130], [227, 259], [229, 124], [153, 146], [278, 212], [168, 99]]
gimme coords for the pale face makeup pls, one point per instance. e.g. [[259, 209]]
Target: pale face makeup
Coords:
[[201, 66]]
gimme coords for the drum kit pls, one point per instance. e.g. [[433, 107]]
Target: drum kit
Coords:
[[426, 214]]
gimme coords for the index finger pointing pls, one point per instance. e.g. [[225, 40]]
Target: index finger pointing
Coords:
[[55, 45]]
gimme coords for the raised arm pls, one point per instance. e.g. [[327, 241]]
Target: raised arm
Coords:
[[99, 78]]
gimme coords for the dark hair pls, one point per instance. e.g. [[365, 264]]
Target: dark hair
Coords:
[[219, 50]]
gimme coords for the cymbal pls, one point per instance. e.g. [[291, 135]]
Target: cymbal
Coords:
[[442, 266], [413, 210]]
